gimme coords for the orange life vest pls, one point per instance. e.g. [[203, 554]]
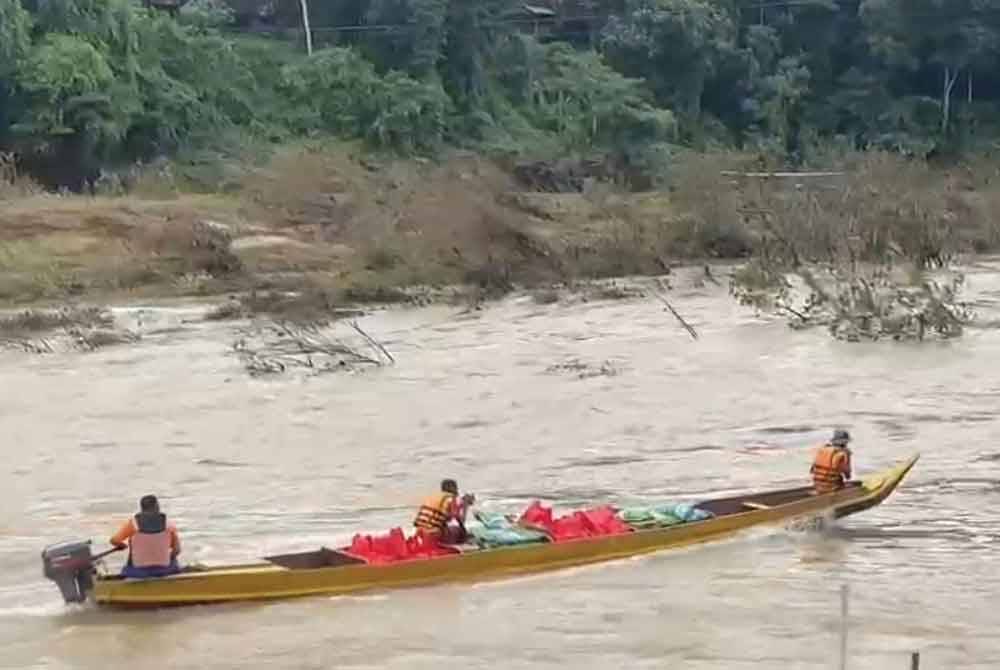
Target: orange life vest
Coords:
[[150, 546], [831, 468], [433, 513]]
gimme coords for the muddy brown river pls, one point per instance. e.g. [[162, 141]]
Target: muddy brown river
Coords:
[[254, 466]]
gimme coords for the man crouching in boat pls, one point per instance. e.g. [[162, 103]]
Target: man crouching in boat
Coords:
[[831, 469], [438, 511], [153, 542]]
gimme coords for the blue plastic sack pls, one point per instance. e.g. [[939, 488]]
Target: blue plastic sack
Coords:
[[688, 512]]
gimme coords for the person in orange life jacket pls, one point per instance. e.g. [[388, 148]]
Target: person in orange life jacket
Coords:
[[441, 510], [831, 469], [152, 541]]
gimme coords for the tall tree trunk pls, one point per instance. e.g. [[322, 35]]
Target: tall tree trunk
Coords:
[[949, 83], [945, 100], [969, 91], [305, 26]]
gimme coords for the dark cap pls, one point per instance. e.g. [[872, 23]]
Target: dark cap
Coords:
[[148, 503], [840, 438], [449, 486]]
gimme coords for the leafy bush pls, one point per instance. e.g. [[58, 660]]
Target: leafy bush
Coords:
[[338, 91]]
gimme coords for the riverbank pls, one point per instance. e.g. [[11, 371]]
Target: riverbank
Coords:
[[325, 222], [322, 226]]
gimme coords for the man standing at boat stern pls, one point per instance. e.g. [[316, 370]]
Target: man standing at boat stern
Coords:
[[440, 509], [831, 469], [153, 542]]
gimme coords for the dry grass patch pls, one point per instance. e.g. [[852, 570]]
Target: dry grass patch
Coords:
[[52, 247]]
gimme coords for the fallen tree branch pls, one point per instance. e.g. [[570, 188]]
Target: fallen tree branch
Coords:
[[794, 312], [377, 345], [771, 175], [276, 347], [36, 346], [687, 326]]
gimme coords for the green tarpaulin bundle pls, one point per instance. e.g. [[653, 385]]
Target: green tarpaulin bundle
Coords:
[[656, 516], [496, 530]]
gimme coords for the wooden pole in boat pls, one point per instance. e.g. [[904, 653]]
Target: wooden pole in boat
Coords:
[[843, 627], [915, 661]]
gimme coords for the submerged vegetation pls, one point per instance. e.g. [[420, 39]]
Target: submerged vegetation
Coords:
[[277, 346], [76, 328], [868, 255]]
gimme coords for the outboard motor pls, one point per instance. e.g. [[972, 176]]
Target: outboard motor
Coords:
[[71, 566]]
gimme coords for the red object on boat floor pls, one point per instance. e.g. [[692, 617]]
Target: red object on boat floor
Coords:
[[395, 546], [594, 522]]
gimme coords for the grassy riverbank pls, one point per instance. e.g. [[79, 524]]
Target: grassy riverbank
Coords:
[[320, 218]]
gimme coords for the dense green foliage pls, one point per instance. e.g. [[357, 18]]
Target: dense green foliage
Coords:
[[88, 84]]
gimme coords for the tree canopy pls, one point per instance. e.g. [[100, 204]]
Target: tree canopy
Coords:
[[92, 84]]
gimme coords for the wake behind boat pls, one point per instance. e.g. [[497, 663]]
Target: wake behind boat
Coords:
[[499, 547]]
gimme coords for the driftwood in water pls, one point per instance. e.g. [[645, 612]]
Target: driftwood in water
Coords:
[[584, 370], [687, 326]]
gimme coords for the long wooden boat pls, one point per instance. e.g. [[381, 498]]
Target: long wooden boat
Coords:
[[334, 572]]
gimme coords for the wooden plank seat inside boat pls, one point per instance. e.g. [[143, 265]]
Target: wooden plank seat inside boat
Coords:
[[313, 560]]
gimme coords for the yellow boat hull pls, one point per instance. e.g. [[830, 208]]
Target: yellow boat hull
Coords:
[[268, 581]]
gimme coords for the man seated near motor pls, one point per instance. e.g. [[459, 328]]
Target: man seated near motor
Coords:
[[831, 470], [152, 542], [441, 517]]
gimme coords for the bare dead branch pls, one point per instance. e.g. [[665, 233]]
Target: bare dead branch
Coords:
[[687, 326], [276, 347], [377, 345]]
